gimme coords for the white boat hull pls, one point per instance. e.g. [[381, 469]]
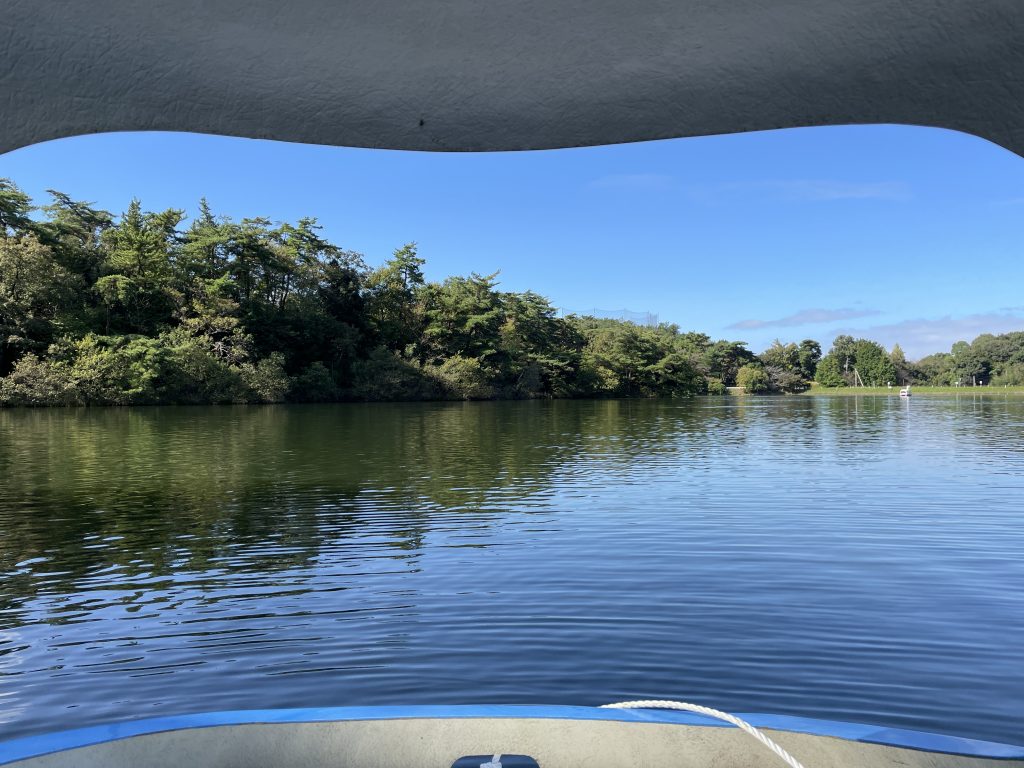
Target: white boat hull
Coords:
[[435, 737]]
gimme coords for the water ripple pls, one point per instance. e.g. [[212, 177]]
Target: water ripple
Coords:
[[848, 558]]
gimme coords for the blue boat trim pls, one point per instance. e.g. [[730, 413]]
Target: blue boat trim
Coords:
[[35, 746]]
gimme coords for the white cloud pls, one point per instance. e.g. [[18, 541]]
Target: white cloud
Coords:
[[634, 181], [805, 317], [806, 189], [779, 189], [925, 336]]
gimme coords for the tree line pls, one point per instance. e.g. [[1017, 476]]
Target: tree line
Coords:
[[149, 308], [989, 360]]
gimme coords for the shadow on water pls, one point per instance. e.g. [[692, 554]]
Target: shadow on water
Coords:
[[154, 491]]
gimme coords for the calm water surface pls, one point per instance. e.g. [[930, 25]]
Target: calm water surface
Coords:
[[851, 558]]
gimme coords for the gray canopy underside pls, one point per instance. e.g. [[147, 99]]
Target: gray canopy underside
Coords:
[[475, 75]]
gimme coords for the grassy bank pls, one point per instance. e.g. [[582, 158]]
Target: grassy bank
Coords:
[[915, 391]]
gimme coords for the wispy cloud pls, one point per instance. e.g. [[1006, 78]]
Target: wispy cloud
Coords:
[[805, 189], [634, 181], [805, 317], [813, 190], [925, 336]]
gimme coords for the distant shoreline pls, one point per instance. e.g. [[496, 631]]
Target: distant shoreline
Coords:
[[919, 391], [914, 390]]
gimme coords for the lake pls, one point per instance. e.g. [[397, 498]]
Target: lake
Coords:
[[845, 558]]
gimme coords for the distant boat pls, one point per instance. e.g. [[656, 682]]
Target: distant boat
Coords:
[[905, 392]]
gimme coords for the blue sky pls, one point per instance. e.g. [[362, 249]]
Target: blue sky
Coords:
[[901, 234]]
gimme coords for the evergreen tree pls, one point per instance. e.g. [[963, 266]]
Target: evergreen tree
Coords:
[[810, 356], [15, 206], [136, 287], [829, 373]]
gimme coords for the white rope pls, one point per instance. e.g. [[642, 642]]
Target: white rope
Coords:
[[744, 725]]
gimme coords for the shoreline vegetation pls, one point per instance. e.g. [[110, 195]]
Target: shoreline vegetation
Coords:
[[152, 308]]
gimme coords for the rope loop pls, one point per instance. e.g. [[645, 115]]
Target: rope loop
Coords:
[[717, 714]]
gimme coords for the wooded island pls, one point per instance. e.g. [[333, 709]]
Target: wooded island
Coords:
[[142, 309]]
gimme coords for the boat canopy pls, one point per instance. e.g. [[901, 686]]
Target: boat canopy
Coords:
[[475, 75]]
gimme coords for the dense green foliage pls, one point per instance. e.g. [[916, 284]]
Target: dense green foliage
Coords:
[[858, 361], [144, 308], [988, 360]]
